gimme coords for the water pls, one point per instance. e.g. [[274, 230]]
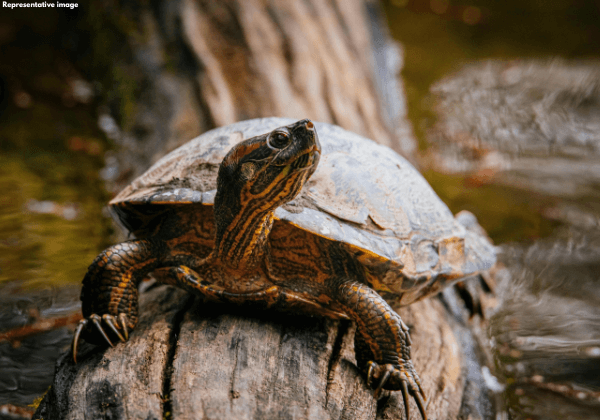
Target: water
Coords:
[[51, 196], [547, 328]]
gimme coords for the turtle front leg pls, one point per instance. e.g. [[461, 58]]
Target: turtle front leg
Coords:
[[382, 343], [109, 296]]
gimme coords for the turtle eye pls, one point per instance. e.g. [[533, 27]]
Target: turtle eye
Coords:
[[278, 140]]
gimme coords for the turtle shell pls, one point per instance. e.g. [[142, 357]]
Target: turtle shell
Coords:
[[363, 196]]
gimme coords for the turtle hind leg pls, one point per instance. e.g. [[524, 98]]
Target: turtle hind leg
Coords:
[[382, 343], [109, 296]]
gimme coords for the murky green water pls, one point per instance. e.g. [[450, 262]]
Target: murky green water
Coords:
[[51, 201], [51, 196], [51, 152]]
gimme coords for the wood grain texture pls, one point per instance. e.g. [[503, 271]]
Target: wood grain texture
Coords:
[[200, 64], [124, 382], [207, 361], [279, 371]]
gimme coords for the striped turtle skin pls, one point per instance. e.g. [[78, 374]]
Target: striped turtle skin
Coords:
[[268, 211]]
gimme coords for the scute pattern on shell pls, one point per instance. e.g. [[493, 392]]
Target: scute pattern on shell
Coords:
[[362, 194]]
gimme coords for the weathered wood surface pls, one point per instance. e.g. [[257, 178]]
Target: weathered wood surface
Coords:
[[298, 367], [198, 360], [201, 64], [122, 382], [198, 65]]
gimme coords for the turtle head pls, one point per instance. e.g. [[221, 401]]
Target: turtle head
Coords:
[[260, 174], [269, 170]]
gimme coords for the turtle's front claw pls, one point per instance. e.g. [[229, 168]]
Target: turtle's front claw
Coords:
[[80, 327], [402, 377], [96, 320], [117, 325], [112, 323]]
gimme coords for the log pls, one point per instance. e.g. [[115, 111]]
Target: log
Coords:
[[190, 359], [204, 64], [197, 65]]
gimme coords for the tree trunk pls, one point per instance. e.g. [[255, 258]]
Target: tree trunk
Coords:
[[197, 65]]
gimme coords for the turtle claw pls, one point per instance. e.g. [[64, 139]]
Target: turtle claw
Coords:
[[403, 378], [405, 398], [80, 327], [96, 320], [123, 325], [420, 403], [112, 324], [384, 379], [118, 326], [370, 370]]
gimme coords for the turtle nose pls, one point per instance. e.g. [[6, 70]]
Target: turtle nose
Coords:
[[317, 143], [305, 134], [310, 127]]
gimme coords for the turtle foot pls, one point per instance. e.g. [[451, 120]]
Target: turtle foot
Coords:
[[401, 377], [99, 325]]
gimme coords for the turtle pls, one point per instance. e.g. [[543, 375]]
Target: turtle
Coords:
[[268, 212]]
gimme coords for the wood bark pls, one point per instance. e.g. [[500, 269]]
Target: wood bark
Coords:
[[201, 64], [189, 359], [196, 65]]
